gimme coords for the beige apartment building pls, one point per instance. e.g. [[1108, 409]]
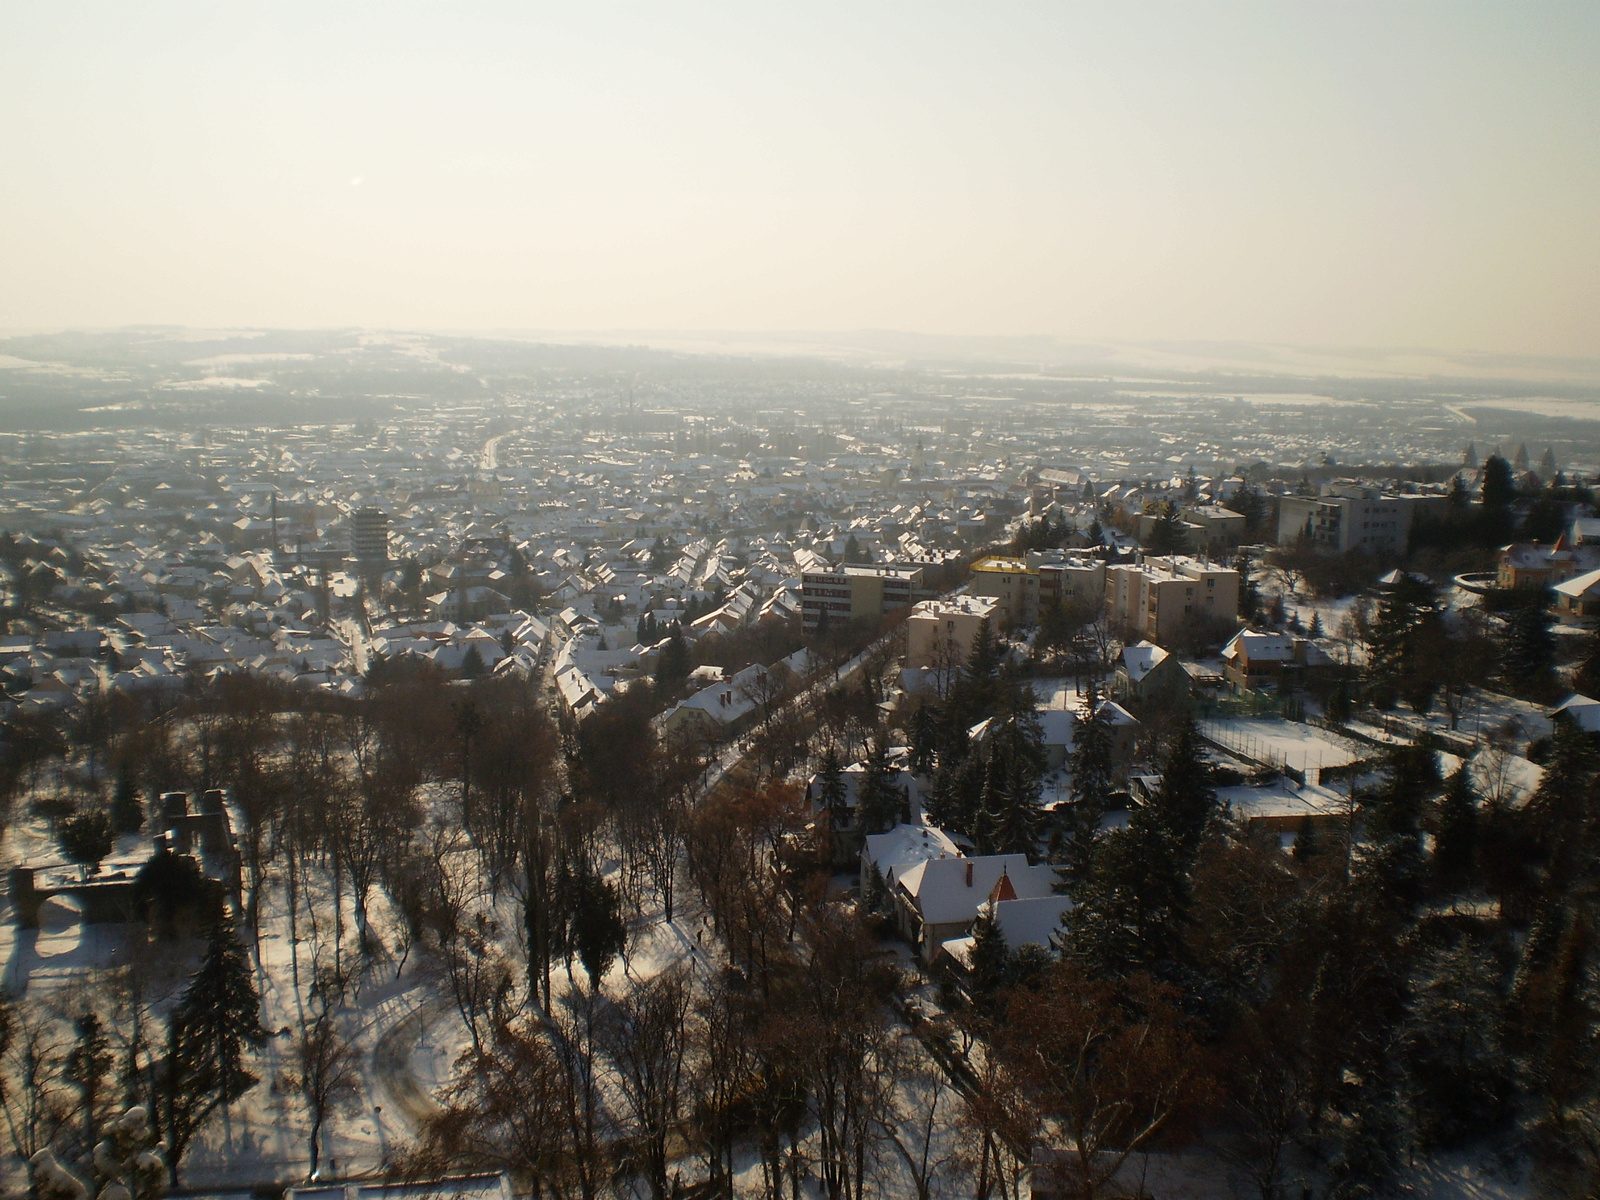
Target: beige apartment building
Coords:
[[940, 633], [1074, 582], [1013, 586], [1161, 598], [1022, 587]]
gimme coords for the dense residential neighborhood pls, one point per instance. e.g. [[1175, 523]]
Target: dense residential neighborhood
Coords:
[[577, 793]]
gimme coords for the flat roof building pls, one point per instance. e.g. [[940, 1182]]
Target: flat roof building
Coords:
[[852, 591], [1164, 598], [940, 633]]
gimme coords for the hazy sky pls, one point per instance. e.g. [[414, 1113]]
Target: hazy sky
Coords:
[[1388, 174]]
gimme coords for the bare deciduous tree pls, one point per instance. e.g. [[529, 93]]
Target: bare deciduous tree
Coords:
[[647, 1036], [325, 1068]]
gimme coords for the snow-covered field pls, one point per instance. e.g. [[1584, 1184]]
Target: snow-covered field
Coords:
[[1305, 748]]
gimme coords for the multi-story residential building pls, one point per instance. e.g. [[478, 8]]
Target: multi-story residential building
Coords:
[[1351, 518], [940, 633], [1074, 582], [369, 541], [1213, 528], [853, 590], [1013, 585], [1022, 587], [1162, 598]]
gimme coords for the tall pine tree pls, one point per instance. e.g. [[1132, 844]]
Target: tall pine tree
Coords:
[[1091, 765], [878, 801], [1184, 803], [1399, 665], [830, 785], [1455, 836], [1528, 649], [222, 1010], [1132, 907], [1392, 816], [924, 740]]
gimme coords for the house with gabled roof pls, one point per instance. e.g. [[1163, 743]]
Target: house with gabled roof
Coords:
[[1146, 671], [939, 898], [1256, 660], [1021, 921], [1580, 710], [1578, 599]]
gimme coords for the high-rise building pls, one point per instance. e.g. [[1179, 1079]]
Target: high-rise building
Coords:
[[369, 541]]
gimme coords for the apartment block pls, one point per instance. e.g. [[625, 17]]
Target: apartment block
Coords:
[[1073, 582], [1013, 585], [1351, 518], [851, 591], [1022, 587], [1160, 598], [940, 633]]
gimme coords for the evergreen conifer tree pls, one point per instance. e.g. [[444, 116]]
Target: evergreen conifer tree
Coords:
[[127, 809], [983, 663], [924, 740], [958, 796], [1558, 816], [672, 668], [599, 932], [1017, 830], [1128, 913], [1586, 679], [1185, 801], [991, 808], [1306, 842], [989, 954], [878, 801], [1393, 819], [1091, 766], [222, 1010], [830, 780], [1455, 839], [1249, 592], [1131, 909], [1529, 649], [1167, 534], [1499, 485], [1398, 667], [86, 838]]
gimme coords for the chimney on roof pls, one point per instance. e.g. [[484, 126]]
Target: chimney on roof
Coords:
[[969, 872]]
